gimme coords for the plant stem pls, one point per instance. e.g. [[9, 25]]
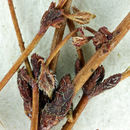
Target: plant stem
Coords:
[[18, 33], [58, 35], [82, 104], [59, 46], [79, 51], [35, 108], [21, 59], [100, 55], [61, 3], [35, 93]]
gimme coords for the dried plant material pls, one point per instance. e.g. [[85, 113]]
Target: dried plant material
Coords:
[[18, 34], [108, 83], [59, 46], [46, 80], [99, 56], [93, 87], [126, 73], [94, 80], [52, 17], [80, 41], [71, 26], [26, 93], [58, 108], [58, 35], [75, 9], [80, 17], [78, 66], [101, 37], [70, 114], [61, 3]]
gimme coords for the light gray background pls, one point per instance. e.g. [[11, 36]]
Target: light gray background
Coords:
[[108, 111]]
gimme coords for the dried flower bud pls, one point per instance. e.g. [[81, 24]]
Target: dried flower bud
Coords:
[[94, 80], [36, 65], [80, 41], [52, 17], [95, 86], [101, 37], [80, 17], [26, 93], [46, 80], [56, 110]]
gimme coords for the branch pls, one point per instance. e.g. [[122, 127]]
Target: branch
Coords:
[[82, 104], [59, 46], [79, 50], [35, 106], [100, 55], [46, 22], [18, 33], [58, 35]]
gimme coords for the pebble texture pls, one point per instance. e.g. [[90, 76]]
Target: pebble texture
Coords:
[[108, 111]]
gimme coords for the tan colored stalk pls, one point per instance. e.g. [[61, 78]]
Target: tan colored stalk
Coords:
[[61, 3], [18, 33], [119, 33], [58, 35], [20, 60], [59, 46], [82, 104], [79, 50], [100, 55], [35, 94], [35, 108]]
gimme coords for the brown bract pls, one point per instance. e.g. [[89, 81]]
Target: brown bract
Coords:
[[58, 108], [26, 94], [94, 80], [102, 36], [95, 86], [52, 17], [80, 17]]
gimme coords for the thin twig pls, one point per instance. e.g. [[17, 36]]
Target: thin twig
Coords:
[[94, 62], [20, 60], [35, 108], [35, 93], [18, 33], [125, 74], [61, 3], [79, 50], [82, 104], [59, 46], [100, 55], [58, 35]]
